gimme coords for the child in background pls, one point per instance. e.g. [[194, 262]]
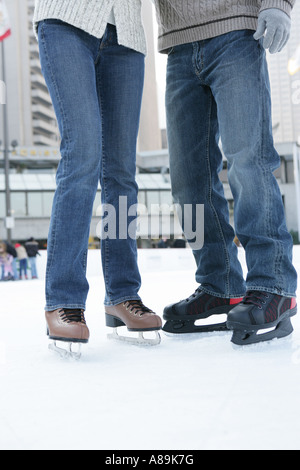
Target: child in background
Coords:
[[6, 264]]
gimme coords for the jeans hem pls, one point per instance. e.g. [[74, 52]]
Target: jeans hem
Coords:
[[276, 291], [222, 296], [122, 299], [57, 306]]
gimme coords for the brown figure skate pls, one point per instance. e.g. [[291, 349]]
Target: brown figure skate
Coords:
[[137, 318], [69, 327]]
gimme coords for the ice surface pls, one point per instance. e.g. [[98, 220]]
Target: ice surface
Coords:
[[192, 392]]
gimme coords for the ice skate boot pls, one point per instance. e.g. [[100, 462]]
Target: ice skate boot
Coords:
[[69, 327], [137, 318], [261, 316], [199, 313]]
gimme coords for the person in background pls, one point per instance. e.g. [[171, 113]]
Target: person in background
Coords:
[[32, 249], [12, 251], [6, 264], [22, 257]]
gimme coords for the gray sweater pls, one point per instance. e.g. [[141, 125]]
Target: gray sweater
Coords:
[[92, 16], [184, 21]]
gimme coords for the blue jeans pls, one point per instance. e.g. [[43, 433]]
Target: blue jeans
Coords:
[[219, 89], [23, 267], [32, 262], [96, 88]]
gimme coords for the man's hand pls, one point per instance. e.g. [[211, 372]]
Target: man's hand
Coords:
[[275, 26]]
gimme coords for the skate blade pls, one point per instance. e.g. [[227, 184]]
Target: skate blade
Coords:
[[206, 325], [244, 338], [66, 353], [138, 341]]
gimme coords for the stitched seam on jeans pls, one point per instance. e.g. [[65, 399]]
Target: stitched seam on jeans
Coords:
[[269, 197], [66, 160], [104, 189], [279, 250], [123, 299], [218, 224], [196, 69], [219, 227]]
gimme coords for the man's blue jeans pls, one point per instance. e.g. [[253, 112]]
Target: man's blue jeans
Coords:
[[219, 88], [96, 88]]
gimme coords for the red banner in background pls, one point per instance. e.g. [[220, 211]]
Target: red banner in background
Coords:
[[5, 30]]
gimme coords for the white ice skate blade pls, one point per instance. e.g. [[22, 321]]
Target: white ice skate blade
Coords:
[[66, 353], [139, 341], [264, 331], [212, 320]]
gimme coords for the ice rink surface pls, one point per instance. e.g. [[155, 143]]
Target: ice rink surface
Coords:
[[192, 392]]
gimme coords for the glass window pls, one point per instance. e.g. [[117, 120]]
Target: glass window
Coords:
[[153, 202], [142, 197], [166, 198], [152, 198], [18, 204], [47, 203], [35, 205], [2, 206]]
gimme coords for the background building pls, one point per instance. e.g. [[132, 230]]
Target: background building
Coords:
[[285, 106], [34, 137], [30, 114]]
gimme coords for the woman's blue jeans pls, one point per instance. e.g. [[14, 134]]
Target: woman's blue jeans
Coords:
[[96, 88], [219, 88]]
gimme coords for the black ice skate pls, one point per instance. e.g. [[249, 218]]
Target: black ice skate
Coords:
[[194, 314], [261, 316]]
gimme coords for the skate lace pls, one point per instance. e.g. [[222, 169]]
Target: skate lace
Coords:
[[72, 315], [137, 307], [255, 298], [197, 291]]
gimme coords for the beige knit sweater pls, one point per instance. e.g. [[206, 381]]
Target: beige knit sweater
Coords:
[[92, 16]]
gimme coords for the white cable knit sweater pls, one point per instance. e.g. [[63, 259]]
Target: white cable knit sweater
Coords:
[[93, 15]]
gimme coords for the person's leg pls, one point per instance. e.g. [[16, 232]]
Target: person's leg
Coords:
[[120, 78], [68, 57], [237, 73], [25, 267], [195, 161], [22, 268], [32, 261], [15, 268]]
